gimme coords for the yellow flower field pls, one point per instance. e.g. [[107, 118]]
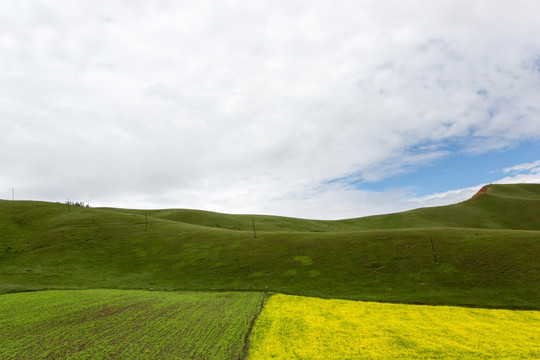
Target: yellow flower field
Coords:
[[295, 327]]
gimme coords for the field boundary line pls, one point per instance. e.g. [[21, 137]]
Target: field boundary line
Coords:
[[245, 349]]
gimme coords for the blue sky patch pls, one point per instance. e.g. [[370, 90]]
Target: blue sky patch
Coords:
[[458, 171]]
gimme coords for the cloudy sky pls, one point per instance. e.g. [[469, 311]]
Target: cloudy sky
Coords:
[[315, 109]]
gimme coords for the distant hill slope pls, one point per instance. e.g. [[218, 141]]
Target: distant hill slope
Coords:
[[487, 250], [513, 206]]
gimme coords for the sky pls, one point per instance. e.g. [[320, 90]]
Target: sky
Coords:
[[313, 109]]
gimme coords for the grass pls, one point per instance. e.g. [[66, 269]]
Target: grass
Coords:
[[105, 324], [45, 246], [292, 327]]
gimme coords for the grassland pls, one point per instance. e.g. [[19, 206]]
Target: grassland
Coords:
[[385, 258], [292, 327], [106, 324]]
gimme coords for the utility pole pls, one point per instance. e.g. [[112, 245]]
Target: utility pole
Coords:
[[13, 194], [254, 233], [433, 248]]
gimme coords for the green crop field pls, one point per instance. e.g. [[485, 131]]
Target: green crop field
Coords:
[[487, 251], [105, 324]]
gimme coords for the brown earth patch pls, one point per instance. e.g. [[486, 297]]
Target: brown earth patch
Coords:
[[482, 190]]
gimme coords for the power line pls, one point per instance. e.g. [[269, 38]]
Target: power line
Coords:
[[433, 248]]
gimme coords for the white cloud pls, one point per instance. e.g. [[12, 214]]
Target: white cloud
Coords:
[[531, 167], [522, 173], [247, 107]]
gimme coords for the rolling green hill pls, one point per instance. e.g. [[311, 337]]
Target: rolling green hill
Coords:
[[511, 207], [515, 206], [487, 250]]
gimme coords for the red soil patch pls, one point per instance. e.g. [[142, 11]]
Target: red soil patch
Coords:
[[482, 190]]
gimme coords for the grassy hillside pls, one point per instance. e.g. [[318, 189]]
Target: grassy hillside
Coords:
[[115, 324], [487, 257], [515, 206]]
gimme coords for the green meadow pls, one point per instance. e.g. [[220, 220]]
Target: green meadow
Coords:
[[487, 251]]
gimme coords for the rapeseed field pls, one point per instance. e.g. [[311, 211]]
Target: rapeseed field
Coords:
[[295, 327]]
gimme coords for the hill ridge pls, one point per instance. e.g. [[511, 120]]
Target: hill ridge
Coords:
[[478, 213]]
